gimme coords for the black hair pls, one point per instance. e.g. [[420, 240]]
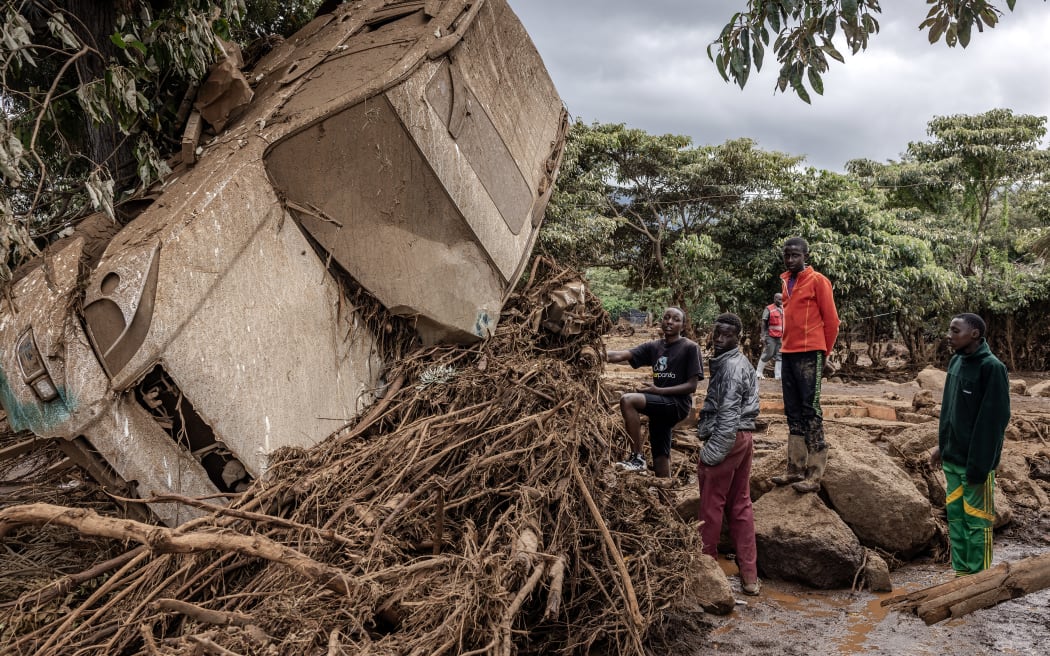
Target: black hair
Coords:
[[730, 319], [678, 309], [798, 241], [973, 321]]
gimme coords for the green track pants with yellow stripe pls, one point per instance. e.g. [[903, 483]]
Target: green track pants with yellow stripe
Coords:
[[971, 513]]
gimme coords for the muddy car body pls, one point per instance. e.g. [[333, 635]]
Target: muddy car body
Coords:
[[411, 145]]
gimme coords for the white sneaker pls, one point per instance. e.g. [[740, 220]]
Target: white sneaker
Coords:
[[635, 463]]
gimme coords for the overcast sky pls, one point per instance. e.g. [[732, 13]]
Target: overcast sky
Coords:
[[644, 63]]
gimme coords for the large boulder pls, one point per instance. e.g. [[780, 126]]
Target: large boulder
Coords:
[[1012, 476], [1018, 386], [876, 497], [801, 539], [932, 379]]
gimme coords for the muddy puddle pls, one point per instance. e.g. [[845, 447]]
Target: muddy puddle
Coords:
[[787, 618]]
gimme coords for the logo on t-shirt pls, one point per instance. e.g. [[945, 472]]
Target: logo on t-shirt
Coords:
[[661, 364]]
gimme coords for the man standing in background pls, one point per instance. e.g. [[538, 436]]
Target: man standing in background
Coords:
[[811, 326], [772, 332]]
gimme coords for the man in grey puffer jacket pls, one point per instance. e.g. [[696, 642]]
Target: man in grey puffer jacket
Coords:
[[724, 468]]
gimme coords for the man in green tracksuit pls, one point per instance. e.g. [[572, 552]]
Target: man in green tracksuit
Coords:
[[974, 413]]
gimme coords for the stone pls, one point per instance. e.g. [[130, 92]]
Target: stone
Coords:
[[1004, 511], [914, 442], [1040, 389], [707, 584], [914, 418], [923, 399], [877, 411], [773, 464], [876, 497], [932, 379], [1013, 468], [800, 539], [876, 573], [1018, 386]]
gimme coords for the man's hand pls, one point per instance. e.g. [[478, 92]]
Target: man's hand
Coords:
[[935, 456]]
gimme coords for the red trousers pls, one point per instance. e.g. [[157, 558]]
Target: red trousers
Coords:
[[726, 489]]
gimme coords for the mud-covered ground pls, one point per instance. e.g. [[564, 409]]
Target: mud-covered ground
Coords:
[[788, 618]]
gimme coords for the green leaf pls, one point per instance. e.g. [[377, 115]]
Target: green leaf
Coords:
[[834, 54], [964, 33], [138, 45], [816, 82], [757, 52], [849, 10], [118, 40]]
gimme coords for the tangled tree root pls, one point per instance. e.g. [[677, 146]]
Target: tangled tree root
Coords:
[[472, 511]]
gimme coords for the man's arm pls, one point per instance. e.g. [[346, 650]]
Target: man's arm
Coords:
[[829, 314], [988, 427], [724, 423], [617, 356], [765, 323]]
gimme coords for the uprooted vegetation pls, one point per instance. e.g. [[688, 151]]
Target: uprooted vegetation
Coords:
[[470, 511]]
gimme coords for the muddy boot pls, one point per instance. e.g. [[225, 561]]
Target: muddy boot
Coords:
[[814, 472], [796, 461]]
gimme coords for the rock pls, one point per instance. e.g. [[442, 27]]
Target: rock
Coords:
[[877, 573], [1004, 511], [878, 411], [1018, 386], [931, 379], [800, 539], [774, 464], [876, 497], [892, 396], [1013, 468], [687, 506], [923, 399], [1040, 389], [710, 587], [914, 418], [915, 441], [938, 487]]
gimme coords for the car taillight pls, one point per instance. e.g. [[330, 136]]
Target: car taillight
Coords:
[[34, 373]]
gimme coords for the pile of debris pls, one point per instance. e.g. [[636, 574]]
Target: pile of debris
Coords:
[[470, 511]]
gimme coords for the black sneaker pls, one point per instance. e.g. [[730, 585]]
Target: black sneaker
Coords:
[[635, 463]]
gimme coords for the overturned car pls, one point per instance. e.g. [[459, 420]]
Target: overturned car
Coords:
[[407, 146]]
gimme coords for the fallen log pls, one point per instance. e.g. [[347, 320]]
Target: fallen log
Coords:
[[966, 594], [165, 540]]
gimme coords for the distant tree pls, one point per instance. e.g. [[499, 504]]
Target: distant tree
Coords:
[[805, 32], [647, 204]]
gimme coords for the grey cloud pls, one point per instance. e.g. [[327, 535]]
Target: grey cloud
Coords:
[[645, 64]]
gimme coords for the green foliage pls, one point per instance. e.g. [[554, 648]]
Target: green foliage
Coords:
[[804, 34], [91, 100], [648, 204], [610, 286]]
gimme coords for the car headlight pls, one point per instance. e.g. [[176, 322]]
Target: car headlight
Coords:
[[34, 373]]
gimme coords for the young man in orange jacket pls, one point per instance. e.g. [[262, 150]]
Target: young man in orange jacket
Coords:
[[811, 325]]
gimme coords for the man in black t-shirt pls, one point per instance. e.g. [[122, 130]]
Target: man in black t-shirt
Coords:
[[667, 400]]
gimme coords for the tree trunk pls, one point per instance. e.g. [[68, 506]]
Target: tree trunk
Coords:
[[982, 590], [104, 144]]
